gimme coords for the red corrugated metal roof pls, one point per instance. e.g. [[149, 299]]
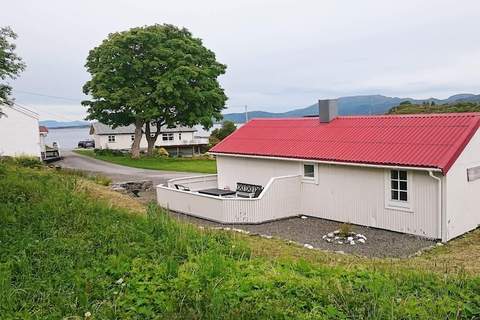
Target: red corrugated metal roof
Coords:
[[432, 140]]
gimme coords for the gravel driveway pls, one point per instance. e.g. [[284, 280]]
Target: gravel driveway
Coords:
[[117, 172], [380, 243]]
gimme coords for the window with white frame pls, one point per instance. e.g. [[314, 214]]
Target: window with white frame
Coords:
[[111, 138], [309, 172], [167, 136], [398, 189], [180, 136]]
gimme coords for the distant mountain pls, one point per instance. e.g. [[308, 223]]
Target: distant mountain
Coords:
[[354, 105], [64, 124]]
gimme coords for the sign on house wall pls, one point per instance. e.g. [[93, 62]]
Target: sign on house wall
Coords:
[[473, 173]]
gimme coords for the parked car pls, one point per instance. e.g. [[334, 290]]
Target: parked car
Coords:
[[86, 144]]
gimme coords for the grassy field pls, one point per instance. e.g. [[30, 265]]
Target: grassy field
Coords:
[[201, 165], [63, 255]]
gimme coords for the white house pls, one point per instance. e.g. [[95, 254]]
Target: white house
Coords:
[[177, 141], [417, 174], [19, 132]]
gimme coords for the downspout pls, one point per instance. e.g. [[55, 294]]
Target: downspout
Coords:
[[439, 206]]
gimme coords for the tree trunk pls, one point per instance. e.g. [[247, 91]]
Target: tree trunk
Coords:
[[151, 138], [136, 139]]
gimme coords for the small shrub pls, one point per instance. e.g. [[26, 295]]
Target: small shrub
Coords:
[[161, 152], [345, 229], [28, 161]]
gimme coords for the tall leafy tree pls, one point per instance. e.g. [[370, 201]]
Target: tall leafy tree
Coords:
[[217, 135], [10, 64], [153, 76]]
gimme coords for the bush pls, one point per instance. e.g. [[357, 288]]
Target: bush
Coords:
[[161, 152], [28, 161], [108, 152]]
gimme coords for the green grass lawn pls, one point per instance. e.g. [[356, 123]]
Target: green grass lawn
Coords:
[[201, 165], [63, 254]]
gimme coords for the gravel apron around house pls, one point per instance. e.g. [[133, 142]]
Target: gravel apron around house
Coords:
[[379, 243]]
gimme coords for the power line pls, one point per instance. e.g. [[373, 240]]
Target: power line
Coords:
[[43, 111], [47, 95]]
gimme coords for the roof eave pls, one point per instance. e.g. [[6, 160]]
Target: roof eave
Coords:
[[355, 164]]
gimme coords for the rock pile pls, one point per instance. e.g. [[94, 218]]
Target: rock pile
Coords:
[[352, 238], [132, 187]]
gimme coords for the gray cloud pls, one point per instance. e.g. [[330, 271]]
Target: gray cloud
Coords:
[[280, 54]]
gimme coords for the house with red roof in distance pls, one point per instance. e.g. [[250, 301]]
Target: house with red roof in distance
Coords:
[[416, 174]]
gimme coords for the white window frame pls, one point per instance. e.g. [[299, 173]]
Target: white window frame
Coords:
[[179, 136], [313, 179], [111, 138], [167, 136], [398, 204]]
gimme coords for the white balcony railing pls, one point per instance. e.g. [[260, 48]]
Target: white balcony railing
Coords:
[[196, 141], [279, 199]]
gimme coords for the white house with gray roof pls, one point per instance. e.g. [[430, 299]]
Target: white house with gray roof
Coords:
[[177, 141]]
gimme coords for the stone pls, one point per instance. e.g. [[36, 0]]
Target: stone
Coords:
[[337, 237], [349, 238], [336, 232], [308, 246], [266, 236], [352, 242], [340, 242], [340, 252], [329, 240], [304, 217], [324, 237], [330, 234], [439, 244], [361, 240], [133, 187]]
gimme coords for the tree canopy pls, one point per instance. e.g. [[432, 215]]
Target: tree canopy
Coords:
[[221, 133], [10, 64], [157, 74]]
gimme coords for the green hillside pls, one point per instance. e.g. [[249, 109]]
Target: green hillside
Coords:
[[410, 108], [66, 254]]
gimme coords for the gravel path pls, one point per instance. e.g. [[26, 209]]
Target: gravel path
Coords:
[[380, 243]]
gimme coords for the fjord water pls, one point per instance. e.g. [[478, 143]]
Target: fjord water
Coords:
[[67, 138]]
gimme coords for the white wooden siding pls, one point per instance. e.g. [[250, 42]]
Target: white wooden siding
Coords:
[[462, 196], [344, 193], [19, 132]]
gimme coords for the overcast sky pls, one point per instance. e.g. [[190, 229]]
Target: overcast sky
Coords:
[[280, 54]]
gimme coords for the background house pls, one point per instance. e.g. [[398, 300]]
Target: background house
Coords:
[[417, 174], [19, 132], [177, 141]]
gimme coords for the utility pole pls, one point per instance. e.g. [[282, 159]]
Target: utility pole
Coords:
[[246, 113]]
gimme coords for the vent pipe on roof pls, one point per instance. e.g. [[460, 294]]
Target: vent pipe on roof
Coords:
[[327, 110]]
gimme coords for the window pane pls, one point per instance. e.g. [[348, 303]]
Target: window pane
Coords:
[[308, 171], [403, 185], [394, 174], [394, 195], [403, 196], [394, 184], [403, 175]]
